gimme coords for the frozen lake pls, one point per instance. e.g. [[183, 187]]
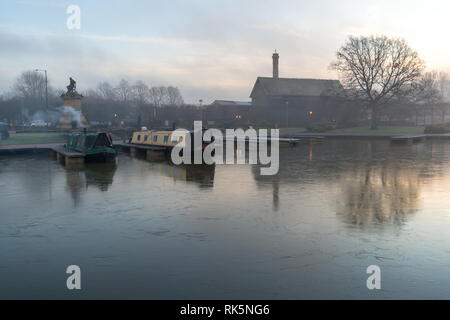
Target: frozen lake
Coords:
[[155, 231]]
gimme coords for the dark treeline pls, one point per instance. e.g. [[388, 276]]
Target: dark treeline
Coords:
[[124, 103], [383, 82]]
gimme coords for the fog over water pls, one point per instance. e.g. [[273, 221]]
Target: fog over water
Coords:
[[142, 229]]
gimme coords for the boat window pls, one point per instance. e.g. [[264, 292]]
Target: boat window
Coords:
[[177, 139], [155, 138], [139, 137], [89, 141], [145, 138], [102, 140], [166, 139]]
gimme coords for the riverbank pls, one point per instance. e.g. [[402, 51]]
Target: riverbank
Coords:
[[365, 131], [30, 138], [38, 138]]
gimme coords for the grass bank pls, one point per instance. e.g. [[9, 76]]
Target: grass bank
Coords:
[[39, 138], [34, 138]]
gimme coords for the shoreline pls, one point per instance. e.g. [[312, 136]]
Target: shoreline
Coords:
[[20, 148]]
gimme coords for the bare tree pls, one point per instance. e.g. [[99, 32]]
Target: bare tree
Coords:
[[124, 90], [140, 92], [174, 97], [106, 90], [158, 96], [376, 69], [444, 88], [428, 93], [30, 86]]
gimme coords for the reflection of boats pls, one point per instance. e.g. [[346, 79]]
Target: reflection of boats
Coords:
[[79, 179], [94, 146], [201, 174]]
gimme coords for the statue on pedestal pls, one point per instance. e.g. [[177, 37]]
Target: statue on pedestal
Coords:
[[72, 116], [72, 86]]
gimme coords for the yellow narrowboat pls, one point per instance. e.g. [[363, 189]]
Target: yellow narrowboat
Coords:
[[167, 139], [158, 138]]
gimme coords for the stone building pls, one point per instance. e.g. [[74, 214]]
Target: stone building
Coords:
[[226, 113], [289, 101]]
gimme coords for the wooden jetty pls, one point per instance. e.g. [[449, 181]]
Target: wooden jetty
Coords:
[[68, 157], [408, 139], [63, 155]]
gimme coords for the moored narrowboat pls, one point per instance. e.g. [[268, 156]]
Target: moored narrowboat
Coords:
[[95, 146], [166, 139]]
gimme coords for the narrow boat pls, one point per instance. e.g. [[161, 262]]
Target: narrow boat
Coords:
[[95, 146], [165, 139]]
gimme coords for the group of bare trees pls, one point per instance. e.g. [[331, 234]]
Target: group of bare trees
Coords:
[[106, 101], [378, 71], [431, 94], [139, 93]]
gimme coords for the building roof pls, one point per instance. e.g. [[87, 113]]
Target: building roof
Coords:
[[297, 87], [232, 103]]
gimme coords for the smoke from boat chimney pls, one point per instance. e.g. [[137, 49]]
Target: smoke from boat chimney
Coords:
[[275, 58]]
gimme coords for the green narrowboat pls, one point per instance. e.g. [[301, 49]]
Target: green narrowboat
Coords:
[[95, 146]]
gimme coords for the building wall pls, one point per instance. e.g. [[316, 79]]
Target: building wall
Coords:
[[227, 116], [259, 97]]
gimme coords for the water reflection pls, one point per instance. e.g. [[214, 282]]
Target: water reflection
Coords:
[[308, 232], [378, 195], [79, 179], [372, 182], [202, 175]]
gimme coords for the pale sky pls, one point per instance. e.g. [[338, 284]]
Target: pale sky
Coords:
[[209, 49]]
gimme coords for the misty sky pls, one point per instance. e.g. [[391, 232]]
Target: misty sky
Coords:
[[209, 49]]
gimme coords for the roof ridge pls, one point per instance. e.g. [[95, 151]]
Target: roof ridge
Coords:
[[321, 79]]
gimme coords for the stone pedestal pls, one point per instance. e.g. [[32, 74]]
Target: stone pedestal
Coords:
[[72, 116]]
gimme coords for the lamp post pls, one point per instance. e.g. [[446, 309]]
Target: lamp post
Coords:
[[46, 86], [204, 112], [287, 114]]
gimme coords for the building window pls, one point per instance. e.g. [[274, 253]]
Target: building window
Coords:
[[155, 138], [166, 139], [139, 137], [145, 138]]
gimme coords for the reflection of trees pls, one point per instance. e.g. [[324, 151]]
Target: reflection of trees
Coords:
[[373, 182], [100, 175], [386, 194]]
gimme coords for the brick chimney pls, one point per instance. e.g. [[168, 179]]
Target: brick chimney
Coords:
[[275, 57]]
